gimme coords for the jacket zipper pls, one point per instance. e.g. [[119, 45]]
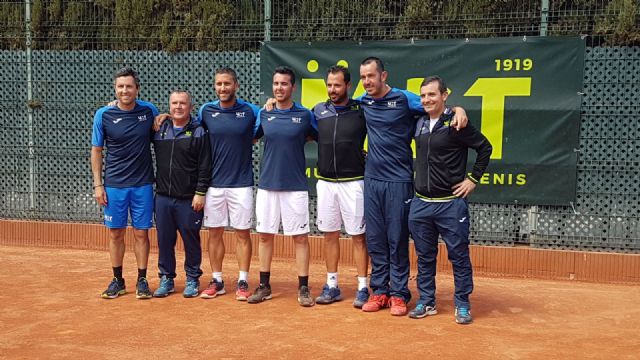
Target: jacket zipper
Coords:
[[173, 141], [428, 172], [335, 130]]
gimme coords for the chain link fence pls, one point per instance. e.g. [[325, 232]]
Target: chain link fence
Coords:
[[58, 58]]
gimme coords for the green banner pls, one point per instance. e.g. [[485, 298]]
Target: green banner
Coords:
[[524, 94]]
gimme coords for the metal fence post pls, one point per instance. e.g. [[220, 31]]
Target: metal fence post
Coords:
[[544, 17], [31, 148], [532, 212], [267, 20]]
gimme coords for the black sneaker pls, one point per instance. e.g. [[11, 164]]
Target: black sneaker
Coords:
[[262, 293], [116, 288], [304, 297], [142, 289]]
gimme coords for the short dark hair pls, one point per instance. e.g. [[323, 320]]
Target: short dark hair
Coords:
[[127, 71], [229, 71], [373, 59], [340, 69], [435, 78], [285, 70], [182, 91]]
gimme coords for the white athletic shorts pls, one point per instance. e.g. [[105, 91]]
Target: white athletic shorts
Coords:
[[229, 206], [338, 203], [292, 207]]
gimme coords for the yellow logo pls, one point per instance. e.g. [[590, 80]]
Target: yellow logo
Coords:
[[493, 92]]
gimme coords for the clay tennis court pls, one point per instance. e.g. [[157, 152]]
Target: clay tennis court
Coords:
[[51, 309]]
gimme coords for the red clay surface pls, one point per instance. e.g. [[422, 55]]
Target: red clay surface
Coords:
[[50, 309]]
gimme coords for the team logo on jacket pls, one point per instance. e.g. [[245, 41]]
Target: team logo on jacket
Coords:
[[240, 114], [296, 120], [392, 104], [142, 118]]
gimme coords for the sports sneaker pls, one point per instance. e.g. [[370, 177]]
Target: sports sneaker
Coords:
[[166, 287], [329, 295], [191, 288], [262, 293], [398, 306], [214, 289], [242, 291], [115, 289], [362, 296], [376, 302], [422, 310], [304, 297], [463, 315], [142, 289]]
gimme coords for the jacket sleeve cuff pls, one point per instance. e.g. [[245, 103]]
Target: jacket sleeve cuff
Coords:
[[472, 178], [201, 193]]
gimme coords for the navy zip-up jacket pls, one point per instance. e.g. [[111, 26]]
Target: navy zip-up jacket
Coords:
[[441, 157], [183, 160], [341, 134]]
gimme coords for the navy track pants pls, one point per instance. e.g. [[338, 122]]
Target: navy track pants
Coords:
[[449, 219], [386, 214], [177, 215]]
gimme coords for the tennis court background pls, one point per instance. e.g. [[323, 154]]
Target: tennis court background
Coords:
[[53, 81]]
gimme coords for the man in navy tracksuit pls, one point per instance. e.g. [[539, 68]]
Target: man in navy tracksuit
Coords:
[[439, 206], [183, 159], [391, 117]]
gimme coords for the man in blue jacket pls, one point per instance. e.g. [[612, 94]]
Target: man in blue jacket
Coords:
[[440, 206], [183, 163]]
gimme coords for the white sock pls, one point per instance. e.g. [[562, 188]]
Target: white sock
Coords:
[[332, 279], [243, 275], [218, 276], [362, 282]]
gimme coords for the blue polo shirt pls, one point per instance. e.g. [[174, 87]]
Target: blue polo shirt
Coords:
[[127, 137], [283, 162], [231, 134], [391, 122]]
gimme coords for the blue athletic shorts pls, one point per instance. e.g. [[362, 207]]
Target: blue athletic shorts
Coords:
[[120, 201]]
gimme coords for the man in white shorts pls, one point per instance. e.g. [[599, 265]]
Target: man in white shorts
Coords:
[[282, 189], [341, 134], [232, 124]]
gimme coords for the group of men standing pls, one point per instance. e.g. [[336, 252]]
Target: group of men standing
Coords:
[[205, 163]]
